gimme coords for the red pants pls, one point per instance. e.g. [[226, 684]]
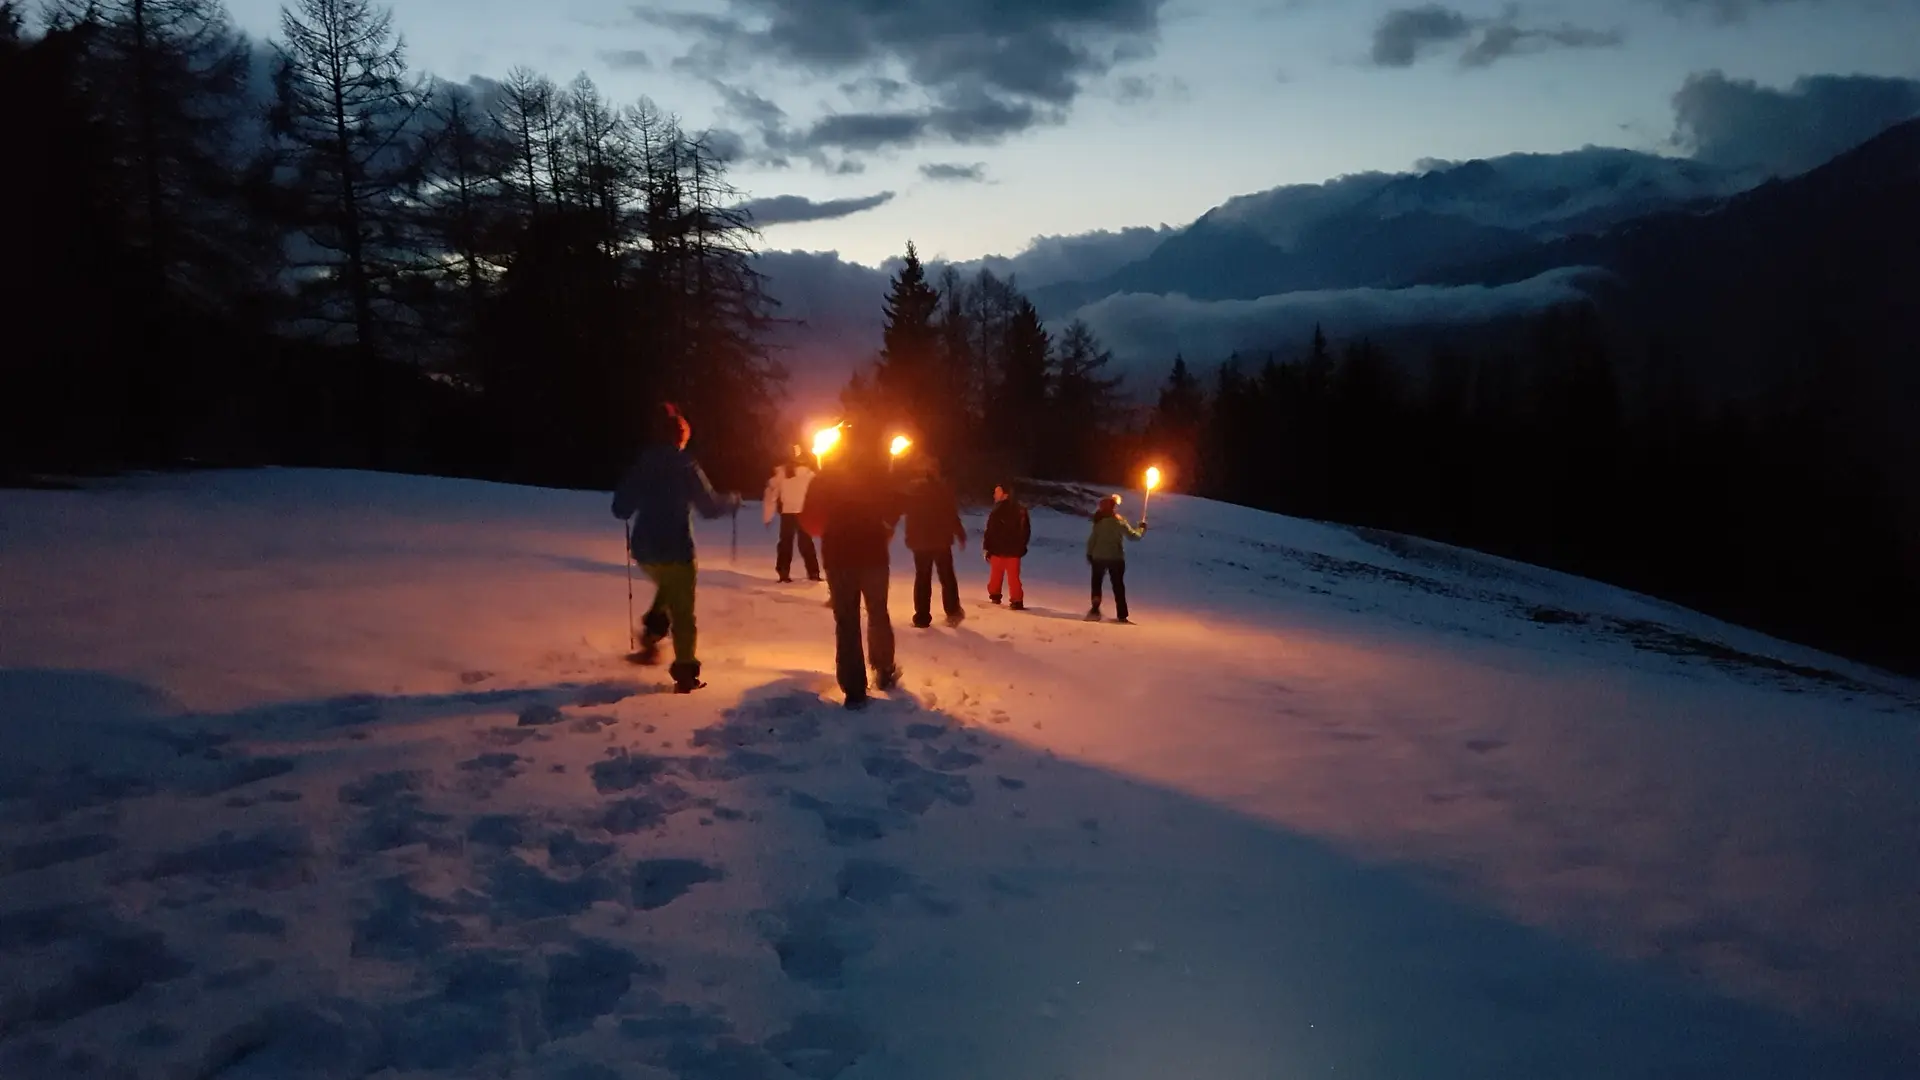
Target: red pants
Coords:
[[1003, 566]]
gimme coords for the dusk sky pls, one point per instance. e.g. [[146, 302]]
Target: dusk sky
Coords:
[[975, 125]]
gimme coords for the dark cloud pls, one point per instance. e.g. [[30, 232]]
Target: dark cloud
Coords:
[[949, 171], [726, 145], [1404, 33], [1403, 36], [627, 60], [1501, 40], [790, 209], [876, 88], [749, 107], [1724, 11], [986, 120], [1739, 124], [987, 68]]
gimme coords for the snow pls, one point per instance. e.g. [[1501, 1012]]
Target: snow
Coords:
[[324, 774]]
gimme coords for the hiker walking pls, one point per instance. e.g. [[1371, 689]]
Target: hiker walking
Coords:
[[1004, 544], [853, 508], [1107, 554], [786, 496], [933, 525], [656, 499]]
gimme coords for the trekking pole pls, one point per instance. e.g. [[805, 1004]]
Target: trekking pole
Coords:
[[633, 643]]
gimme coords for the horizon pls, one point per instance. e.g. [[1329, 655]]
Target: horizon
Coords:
[[1010, 135]]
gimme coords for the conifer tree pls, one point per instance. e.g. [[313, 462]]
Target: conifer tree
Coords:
[[910, 342]]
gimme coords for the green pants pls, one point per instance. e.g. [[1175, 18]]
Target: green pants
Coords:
[[672, 608]]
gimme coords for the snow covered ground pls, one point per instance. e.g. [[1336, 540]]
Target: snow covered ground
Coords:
[[325, 774]]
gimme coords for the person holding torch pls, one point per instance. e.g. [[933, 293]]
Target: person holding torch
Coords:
[[1107, 553]]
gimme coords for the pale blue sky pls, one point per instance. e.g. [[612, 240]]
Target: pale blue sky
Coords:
[[1243, 94]]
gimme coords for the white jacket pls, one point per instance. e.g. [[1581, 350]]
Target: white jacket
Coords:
[[786, 494]]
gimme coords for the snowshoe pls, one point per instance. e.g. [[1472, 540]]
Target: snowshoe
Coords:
[[1094, 615], [686, 677], [922, 622], [648, 654], [956, 618], [995, 599], [1017, 606], [888, 679], [688, 687], [856, 702], [784, 580]]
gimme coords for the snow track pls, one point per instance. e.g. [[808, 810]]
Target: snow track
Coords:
[[317, 774]]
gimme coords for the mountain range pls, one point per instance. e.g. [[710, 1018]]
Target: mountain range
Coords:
[[1713, 262]]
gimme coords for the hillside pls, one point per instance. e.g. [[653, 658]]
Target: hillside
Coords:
[[319, 774]]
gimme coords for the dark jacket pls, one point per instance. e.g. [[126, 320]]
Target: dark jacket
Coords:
[[1009, 530], [658, 494], [852, 510], [933, 516]]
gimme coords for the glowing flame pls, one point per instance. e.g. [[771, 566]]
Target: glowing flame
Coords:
[[825, 440], [899, 446], [1153, 479]]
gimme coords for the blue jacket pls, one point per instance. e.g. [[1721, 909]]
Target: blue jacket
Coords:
[[658, 494]]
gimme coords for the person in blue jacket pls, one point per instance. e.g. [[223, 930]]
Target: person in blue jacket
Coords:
[[656, 499]]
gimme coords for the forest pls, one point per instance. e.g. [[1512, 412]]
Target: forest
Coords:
[[339, 262], [331, 260]]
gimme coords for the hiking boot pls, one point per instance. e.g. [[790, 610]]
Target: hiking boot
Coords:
[[995, 598], [856, 702], [956, 618], [1093, 613], [921, 622], [888, 679], [1017, 605], [686, 677]]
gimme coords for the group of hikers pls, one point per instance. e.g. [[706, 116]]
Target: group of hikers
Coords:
[[853, 510]]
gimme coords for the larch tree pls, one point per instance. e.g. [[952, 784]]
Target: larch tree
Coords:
[[349, 123], [170, 80]]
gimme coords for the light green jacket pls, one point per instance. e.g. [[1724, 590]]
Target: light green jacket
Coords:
[[1107, 541]]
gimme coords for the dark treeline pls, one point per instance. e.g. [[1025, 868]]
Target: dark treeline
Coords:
[[967, 366], [1560, 453], [333, 261]]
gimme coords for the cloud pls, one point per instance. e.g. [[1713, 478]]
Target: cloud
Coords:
[[953, 172], [831, 314], [1047, 260], [1501, 40], [1739, 124], [1404, 35], [1145, 331], [1724, 11], [627, 60], [987, 68], [792, 209]]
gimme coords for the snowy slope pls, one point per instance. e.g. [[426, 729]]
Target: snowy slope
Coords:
[[335, 774]]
